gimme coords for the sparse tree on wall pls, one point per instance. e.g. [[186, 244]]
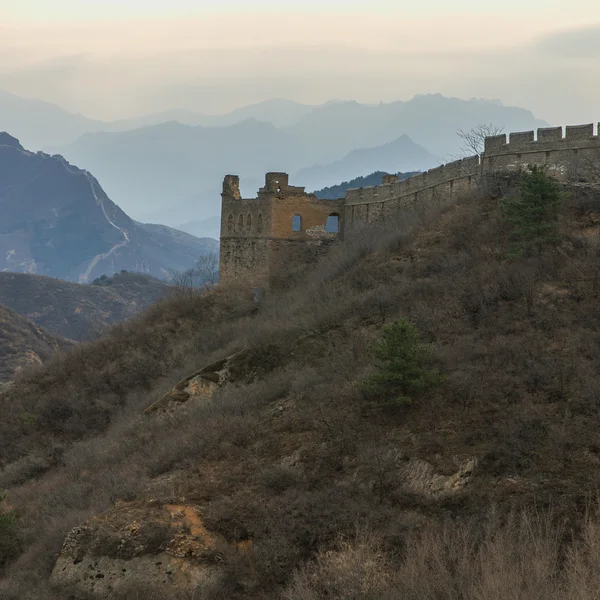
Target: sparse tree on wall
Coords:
[[473, 140]]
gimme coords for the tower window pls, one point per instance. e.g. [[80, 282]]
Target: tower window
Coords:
[[259, 223], [332, 225], [249, 221], [241, 222], [230, 223], [296, 223]]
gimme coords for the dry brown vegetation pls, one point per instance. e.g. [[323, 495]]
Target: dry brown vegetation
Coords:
[[296, 461], [23, 344], [79, 312]]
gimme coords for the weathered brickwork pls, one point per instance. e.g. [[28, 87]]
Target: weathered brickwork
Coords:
[[265, 237], [262, 239]]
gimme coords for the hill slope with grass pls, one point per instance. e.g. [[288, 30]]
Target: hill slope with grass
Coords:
[[267, 468], [79, 311], [23, 344]]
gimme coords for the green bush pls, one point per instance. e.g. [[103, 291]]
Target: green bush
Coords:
[[533, 211], [403, 371]]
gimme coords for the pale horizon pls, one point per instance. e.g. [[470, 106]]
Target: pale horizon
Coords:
[[109, 62]]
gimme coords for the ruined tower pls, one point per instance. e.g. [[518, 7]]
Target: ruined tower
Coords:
[[264, 238]]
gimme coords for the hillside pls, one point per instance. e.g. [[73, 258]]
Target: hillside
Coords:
[[267, 473], [75, 311], [23, 344], [56, 220], [400, 155]]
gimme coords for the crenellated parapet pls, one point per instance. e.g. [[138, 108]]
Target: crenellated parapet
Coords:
[[268, 233], [564, 153]]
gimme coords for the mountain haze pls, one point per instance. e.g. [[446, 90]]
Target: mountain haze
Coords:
[[56, 220], [429, 120], [171, 172], [38, 124], [400, 155], [155, 167]]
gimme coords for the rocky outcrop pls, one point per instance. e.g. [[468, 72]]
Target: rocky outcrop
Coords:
[[243, 366], [421, 478], [141, 545]]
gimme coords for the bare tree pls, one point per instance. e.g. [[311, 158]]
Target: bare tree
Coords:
[[473, 140], [201, 277]]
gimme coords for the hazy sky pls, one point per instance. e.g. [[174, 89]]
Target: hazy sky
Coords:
[[116, 58]]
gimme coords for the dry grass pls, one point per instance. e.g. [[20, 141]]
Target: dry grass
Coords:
[[295, 460], [525, 557]]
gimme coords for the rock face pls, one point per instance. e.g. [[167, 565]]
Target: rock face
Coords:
[[202, 384], [56, 220], [421, 478], [141, 545]]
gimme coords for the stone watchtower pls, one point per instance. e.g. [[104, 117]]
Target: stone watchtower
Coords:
[[264, 238]]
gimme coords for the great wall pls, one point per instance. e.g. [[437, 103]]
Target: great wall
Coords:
[[263, 238]]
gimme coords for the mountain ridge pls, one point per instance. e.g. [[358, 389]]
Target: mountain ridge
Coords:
[[56, 219]]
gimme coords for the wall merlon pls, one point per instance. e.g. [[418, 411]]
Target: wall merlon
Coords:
[[549, 134], [495, 143], [579, 132], [521, 137]]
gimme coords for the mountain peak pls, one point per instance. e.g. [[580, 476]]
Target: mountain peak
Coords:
[[8, 140]]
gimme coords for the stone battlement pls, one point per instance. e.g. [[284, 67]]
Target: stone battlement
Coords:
[[270, 233], [548, 138]]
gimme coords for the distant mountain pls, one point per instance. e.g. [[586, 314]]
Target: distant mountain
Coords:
[[278, 111], [56, 220], [154, 168], [39, 124], [23, 344], [400, 155], [167, 167], [339, 191], [75, 311], [429, 120]]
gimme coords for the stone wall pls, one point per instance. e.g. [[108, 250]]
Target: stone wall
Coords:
[[564, 154], [259, 245], [573, 154], [258, 242], [442, 184]]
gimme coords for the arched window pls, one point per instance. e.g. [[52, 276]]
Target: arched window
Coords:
[[296, 223], [259, 223], [332, 225], [230, 223], [249, 221], [241, 222]]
